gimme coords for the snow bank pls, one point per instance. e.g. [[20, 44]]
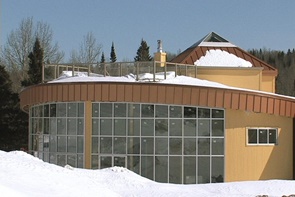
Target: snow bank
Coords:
[[24, 175], [221, 58]]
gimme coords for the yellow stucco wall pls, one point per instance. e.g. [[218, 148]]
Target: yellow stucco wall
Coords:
[[236, 77], [258, 162], [268, 83]]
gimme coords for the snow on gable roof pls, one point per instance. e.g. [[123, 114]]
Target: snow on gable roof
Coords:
[[221, 58]]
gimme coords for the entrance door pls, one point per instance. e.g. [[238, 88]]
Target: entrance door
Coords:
[[110, 161]]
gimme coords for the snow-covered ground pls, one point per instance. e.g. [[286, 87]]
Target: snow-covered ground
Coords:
[[24, 175]]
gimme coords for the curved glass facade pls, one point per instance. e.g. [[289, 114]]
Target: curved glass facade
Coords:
[[165, 143], [56, 133]]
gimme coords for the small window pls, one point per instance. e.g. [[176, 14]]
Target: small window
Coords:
[[262, 136]]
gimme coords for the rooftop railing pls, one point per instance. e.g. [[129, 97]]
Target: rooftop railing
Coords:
[[53, 71]]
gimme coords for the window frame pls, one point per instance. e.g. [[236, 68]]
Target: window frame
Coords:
[[258, 143]]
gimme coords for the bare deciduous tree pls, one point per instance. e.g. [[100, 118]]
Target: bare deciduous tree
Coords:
[[89, 50], [20, 43]]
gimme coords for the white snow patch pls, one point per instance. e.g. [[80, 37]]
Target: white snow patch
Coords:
[[219, 58], [22, 175]]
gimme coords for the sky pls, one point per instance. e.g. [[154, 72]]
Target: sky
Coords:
[[22, 175], [248, 24]]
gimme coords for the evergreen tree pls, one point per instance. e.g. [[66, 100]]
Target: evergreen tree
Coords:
[[102, 60], [113, 54], [13, 122], [143, 52], [35, 65]]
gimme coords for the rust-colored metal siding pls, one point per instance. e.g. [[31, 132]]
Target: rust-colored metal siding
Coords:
[[158, 93]]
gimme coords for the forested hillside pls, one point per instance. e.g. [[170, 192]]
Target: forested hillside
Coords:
[[285, 63]]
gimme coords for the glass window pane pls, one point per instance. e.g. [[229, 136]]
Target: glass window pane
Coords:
[[175, 170], [272, 136], [133, 110], [61, 126], [133, 163], [72, 144], [189, 127], [252, 136], [80, 145], [46, 126], [133, 145], [72, 126], [217, 113], [80, 109], [94, 144], [53, 126], [94, 162], [161, 127], [189, 146], [72, 160], [119, 145], [120, 161], [61, 160], [161, 169], [105, 162], [175, 127], [161, 111], [217, 169], [80, 161], [72, 110], [203, 146], [147, 110], [175, 112], [134, 127], [217, 146], [147, 127], [46, 110], [204, 127], [52, 144], [120, 127], [106, 110], [52, 110], [190, 112], [203, 113], [204, 170], [106, 145], [120, 109], [147, 145], [106, 127], [95, 126], [80, 125], [262, 136], [175, 146], [189, 176], [61, 144], [217, 128], [61, 110], [161, 146], [95, 109], [147, 167]]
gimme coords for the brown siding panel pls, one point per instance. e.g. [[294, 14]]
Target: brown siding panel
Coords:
[[203, 97], [145, 93], [90, 92], [219, 98], [257, 103], [250, 103], [227, 99], [288, 108], [153, 97], [121, 93], [243, 101], [235, 101], [186, 96], [97, 92], [71, 92], [161, 94], [113, 92], [178, 95], [105, 92], [136, 93], [283, 108], [270, 106], [277, 107], [65, 92], [77, 92], [195, 96], [263, 104], [211, 97], [84, 92], [169, 94]]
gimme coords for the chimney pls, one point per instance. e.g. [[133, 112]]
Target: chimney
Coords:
[[160, 56]]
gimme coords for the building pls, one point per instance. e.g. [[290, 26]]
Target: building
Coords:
[[222, 124]]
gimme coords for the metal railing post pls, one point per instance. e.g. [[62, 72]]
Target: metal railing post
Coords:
[[73, 72], [175, 70], [165, 70]]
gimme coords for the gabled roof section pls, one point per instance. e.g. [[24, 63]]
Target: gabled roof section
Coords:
[[214, 41]]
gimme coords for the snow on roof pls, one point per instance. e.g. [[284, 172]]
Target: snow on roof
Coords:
[[221, 58], [23, 175]]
